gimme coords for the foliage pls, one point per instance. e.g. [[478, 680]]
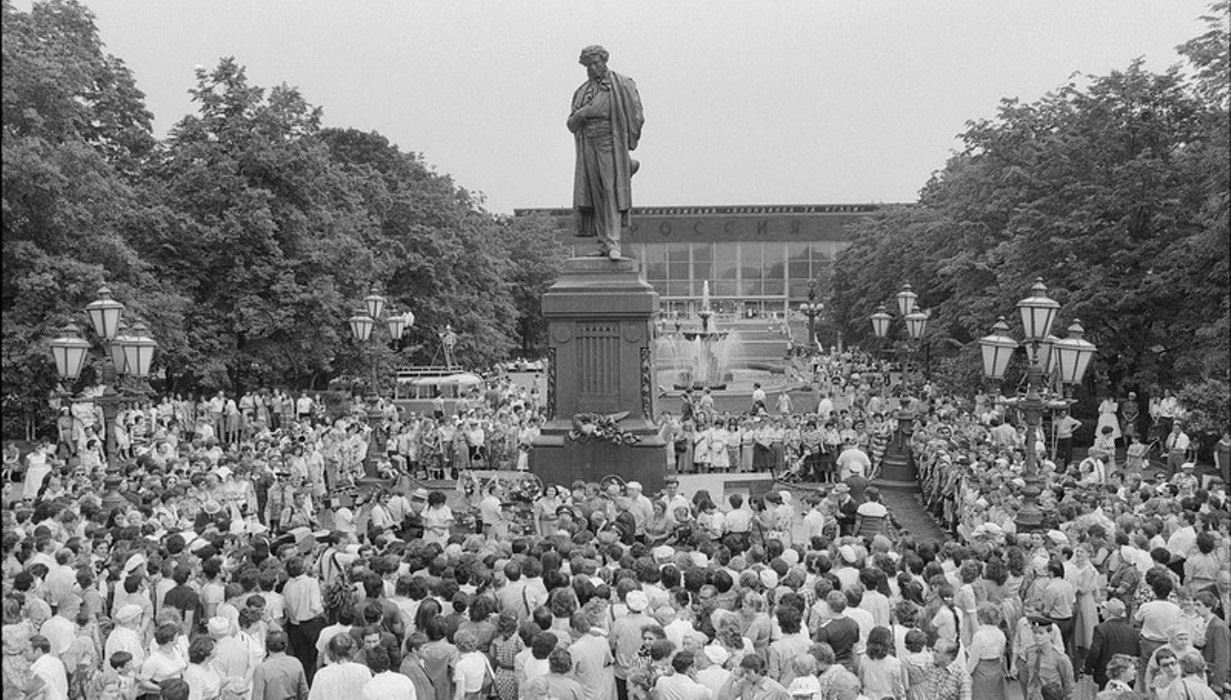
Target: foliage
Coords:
[[75, 136], [1114, 191], [1205, 407], [601, 427], [244, 240]]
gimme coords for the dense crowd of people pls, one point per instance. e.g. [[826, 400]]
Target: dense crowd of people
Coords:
[[230, 553]]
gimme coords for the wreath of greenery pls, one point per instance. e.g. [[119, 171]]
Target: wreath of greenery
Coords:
[[601, 427]]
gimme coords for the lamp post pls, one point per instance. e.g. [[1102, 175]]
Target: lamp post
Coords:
[[124, 353], [1038, 311], [880, 323], [915, 319], [812, 308], [375, 309]]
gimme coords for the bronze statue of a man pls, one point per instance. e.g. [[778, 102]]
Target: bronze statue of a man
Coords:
[[606, 122]]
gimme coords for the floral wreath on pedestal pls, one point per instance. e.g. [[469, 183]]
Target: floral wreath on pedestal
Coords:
[[602, 427]]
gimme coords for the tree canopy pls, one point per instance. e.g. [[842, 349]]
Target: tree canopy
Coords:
[[1112, 188], [246, 238]]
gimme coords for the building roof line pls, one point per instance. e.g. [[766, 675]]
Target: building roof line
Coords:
[[736, 209]]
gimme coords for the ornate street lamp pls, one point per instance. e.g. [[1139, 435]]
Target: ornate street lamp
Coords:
[[127, 351], [812, 308], [880, 322], [375, 303], [1073, 355], [139, 350], [105, 314], [916, 324], [115, 349], [1037, 311], [906, 300], [997, 351], [361, 326], [69, 351], [396, 324]]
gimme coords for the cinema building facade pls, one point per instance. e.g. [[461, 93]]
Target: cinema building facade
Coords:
[[758, 260]]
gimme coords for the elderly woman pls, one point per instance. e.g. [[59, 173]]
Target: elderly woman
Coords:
[[1191, 684], [1179, 642], [1168, 672], [1085, 579]]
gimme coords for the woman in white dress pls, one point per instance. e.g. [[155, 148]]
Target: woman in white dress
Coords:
[[437, 519], [1107, 412], [701, 456], [525, 441], [720, 440]]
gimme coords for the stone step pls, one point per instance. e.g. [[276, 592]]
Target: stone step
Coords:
[[895, 484]]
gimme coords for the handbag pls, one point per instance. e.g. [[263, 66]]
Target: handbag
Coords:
[[488, 688]]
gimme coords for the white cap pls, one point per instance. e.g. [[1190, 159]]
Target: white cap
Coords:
[[805, 686]]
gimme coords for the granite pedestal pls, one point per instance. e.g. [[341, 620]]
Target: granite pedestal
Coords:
[[600, 329]]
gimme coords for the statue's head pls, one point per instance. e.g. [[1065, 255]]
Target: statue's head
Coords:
[[594, 58]]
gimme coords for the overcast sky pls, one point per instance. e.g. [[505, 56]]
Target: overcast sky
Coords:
[[809, 102]]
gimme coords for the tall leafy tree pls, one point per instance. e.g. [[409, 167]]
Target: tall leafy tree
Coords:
[[1113, 190], [76, 134]]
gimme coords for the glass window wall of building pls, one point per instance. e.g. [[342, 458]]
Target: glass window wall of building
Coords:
[[765, 276]]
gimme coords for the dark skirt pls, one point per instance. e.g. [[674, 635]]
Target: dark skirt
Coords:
[[988, 682]]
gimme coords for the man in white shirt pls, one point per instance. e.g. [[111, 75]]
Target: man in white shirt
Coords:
[[682, 685], [852, 460], [814, 519], [738, 520], [758, 395], [1065, 425], [673, 497], [640, 506], [824, 409], [303, 406], [60, 629], [217, 414], [61, 578], [1184, 540], [47, 667], [863, 618], [385, 683], [1177, 444]]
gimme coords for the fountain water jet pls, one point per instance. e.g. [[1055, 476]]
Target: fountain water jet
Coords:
[[706, 350]]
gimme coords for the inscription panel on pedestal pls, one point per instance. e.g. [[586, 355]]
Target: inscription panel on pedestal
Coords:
[[598, 366]]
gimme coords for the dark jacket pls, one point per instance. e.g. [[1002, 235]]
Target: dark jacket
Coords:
[[1112, 637]]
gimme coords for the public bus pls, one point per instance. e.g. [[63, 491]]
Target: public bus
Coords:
[[416, 388]]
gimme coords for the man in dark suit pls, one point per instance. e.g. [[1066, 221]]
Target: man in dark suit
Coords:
[[846, 507], [1113, 636]]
